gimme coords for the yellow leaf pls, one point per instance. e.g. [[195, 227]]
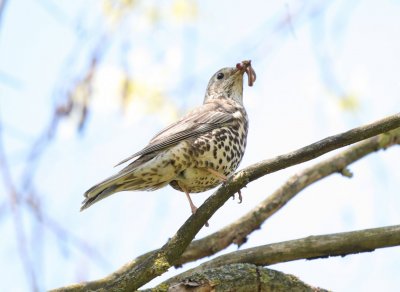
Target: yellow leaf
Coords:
[[184, 9], [349, 102]]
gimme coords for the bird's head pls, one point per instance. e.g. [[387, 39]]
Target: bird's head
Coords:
[[228, 82]]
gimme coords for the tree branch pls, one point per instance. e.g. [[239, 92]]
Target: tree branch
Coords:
[[236, 277], [312, 247], [137, 273], [237, 231]]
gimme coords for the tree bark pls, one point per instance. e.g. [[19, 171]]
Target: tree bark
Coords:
[[235, 277]]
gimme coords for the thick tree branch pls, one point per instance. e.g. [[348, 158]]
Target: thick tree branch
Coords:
[[312, 247], [236, 277], [237, 231], [136, 274]]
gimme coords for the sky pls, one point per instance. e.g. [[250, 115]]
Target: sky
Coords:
[[322, 67]]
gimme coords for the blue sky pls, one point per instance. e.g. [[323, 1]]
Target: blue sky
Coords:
[[322, 68]]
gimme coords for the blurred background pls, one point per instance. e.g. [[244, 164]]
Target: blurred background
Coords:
[[84, 84]]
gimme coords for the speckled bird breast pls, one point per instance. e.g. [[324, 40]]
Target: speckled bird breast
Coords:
[[221, 150]]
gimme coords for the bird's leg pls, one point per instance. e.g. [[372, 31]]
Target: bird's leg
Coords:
[[192, 206], [217, 174], [224, 179]]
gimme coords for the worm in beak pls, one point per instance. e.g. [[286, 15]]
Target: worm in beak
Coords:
[[245, 66]]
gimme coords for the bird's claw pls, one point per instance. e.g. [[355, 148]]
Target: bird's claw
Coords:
[[239, 196]]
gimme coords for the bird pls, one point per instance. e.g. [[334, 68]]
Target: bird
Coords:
[[194, 154]]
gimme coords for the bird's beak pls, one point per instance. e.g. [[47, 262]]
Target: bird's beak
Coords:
[[245, 66]]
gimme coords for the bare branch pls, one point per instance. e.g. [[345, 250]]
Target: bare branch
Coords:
[[237, 231], [134, 275], [3, 4], [312, 247]]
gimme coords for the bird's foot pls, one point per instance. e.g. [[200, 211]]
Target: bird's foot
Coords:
[[225, 179], [194, 210], [239, 196]]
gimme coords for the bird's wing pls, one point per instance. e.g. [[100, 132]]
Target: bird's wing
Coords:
[[197, 122]]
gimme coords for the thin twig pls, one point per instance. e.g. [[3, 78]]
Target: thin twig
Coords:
[[6, 177], [3, 4], [64, 234]]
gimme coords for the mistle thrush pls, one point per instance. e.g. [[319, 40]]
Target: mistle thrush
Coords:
[[196, 153]]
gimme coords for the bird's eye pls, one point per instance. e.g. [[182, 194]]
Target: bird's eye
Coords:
[[220, 75]]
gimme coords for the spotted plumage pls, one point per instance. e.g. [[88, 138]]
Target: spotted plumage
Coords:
[[197, 152]]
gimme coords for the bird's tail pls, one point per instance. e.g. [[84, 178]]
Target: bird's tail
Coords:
[[99, 192], [143, 174], [123, 181]]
